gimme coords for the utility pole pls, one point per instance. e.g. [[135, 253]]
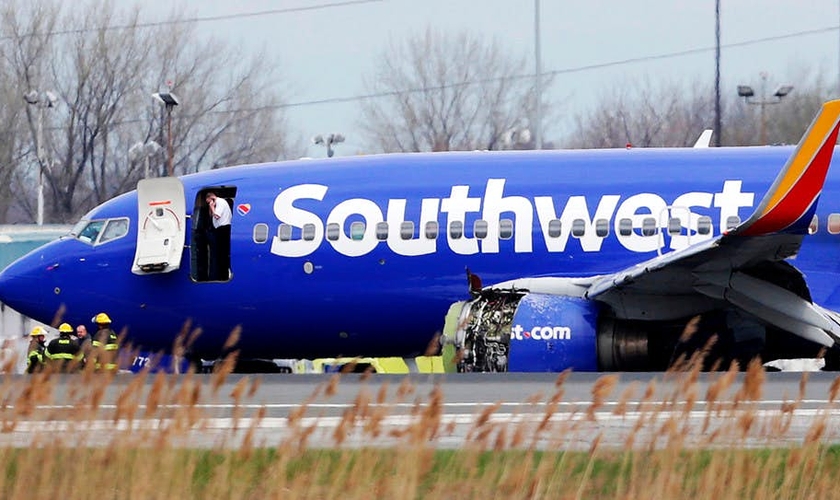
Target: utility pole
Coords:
[[41, 101], [718, 124], [538, 83]]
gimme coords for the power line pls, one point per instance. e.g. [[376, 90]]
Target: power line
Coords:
[[577, 69], [197, 19]]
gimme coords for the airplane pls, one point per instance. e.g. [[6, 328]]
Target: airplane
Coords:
[[524, 260]]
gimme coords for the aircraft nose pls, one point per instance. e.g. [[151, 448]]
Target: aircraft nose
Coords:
[[22, 284]]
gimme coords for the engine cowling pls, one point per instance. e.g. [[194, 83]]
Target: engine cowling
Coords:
[[518, 331], [553, 333]]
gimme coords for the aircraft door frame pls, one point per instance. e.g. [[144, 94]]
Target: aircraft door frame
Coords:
[[161, 229]]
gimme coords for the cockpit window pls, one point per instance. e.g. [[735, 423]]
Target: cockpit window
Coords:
[[90, 231], [116, 228], [95, 232]]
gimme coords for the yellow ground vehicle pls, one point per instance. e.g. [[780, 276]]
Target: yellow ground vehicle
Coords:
[[425, 364]]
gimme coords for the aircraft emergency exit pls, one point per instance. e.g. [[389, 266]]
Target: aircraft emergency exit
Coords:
[[525, 260]]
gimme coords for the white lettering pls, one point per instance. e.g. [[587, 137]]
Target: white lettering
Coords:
[[286, 212], [637, 208], [495, 204], [575, 209], [458, 205], [682, 208], [730, 199], [541, 333], [370, 212], [412, 246]]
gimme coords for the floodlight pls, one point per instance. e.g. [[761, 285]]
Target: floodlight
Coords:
[[167, 98], [783, 90], [745, 91]]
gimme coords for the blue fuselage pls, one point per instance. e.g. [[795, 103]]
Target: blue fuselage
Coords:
[[359, 295]]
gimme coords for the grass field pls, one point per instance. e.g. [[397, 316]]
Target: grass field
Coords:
[[498, 461]]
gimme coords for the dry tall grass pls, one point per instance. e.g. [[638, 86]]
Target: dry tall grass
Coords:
[[156, 441]]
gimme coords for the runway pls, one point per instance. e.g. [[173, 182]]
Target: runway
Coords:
[[499, 411]]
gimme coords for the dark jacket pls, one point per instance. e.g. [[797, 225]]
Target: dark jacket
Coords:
[[63, 353]]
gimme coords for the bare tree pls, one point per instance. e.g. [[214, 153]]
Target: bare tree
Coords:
[[442, 92], [645, 114], [673, 114], [104, 66]]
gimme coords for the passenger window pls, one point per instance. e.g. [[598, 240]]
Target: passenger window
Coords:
[[625, 227], [431, 230], [382, 231], [732, 222], [91, 231], [505, 229], [554, 227], [260, 233], [116, 228], [284, 232], [407, 230], [648, 226], [815, 225], [480, 229], [333, 231], [834, 224], [309, 232], [674, 226], [578, 228], [602, 228], [704, 225], [456, 229], [357, 231]]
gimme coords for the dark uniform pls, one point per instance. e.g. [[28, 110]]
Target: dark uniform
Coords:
[[63, 353], [37, 348]]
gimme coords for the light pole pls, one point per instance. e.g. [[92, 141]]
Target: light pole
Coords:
[[170, 101], [143, 151], [328, 141], [41, 101], [748, 94]]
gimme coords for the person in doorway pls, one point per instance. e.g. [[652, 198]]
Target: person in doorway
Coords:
[[221, 216], [37, 348]]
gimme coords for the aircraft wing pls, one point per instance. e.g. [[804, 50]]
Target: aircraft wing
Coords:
[[745, 266]]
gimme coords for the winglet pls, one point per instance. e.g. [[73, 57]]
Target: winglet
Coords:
[[705, 139], [791, 201]]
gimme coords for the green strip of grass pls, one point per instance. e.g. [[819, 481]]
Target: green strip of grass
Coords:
[[416, 473]]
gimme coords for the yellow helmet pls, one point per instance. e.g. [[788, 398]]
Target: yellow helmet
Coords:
[[102, 319], [37, 331], [65, 328]]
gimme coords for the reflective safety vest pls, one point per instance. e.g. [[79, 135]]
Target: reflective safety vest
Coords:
[[105, 347], [63, 352], [35, 357]]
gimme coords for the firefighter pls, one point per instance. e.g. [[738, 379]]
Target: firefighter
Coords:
[[37, 347], [105, 344], [63, 352]]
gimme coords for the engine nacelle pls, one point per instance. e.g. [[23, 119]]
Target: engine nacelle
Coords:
[[513, 330], [551, 333]]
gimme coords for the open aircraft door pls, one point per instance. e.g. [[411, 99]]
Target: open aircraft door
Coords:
[[161, 219]]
